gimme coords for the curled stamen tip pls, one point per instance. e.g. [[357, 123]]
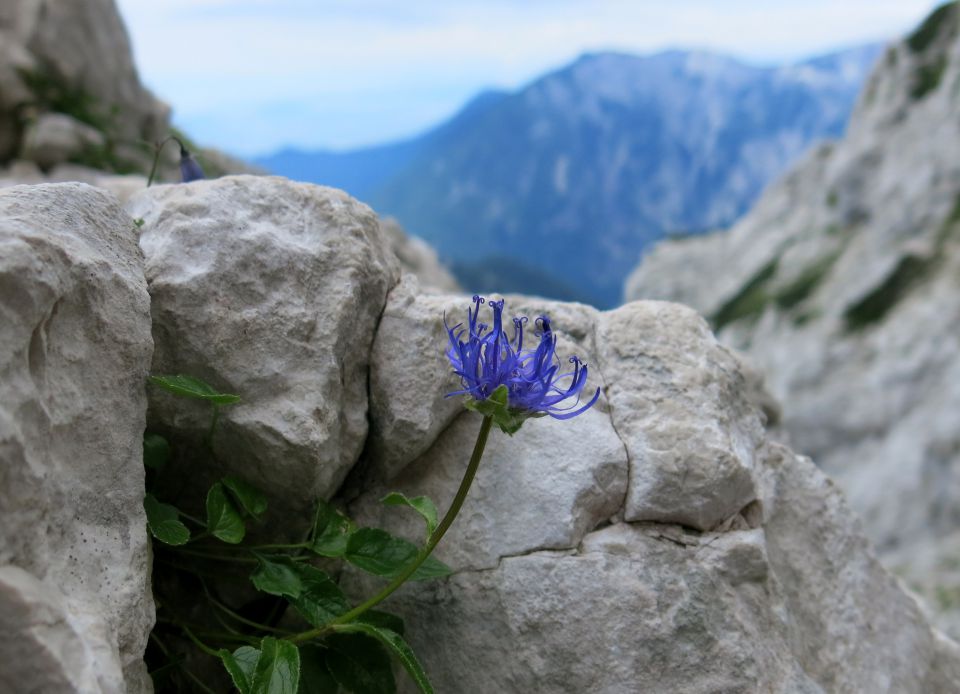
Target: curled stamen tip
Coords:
[[477, 299]]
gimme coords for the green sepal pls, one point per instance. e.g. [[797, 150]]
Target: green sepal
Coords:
[[223, 519], [277, 575], [395, 644], [163, 521], [190, 387], [380, 553], [421, 504], [156, 451], [497, 408]]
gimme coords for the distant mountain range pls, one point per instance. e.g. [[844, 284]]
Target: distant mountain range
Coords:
[[556, 189]]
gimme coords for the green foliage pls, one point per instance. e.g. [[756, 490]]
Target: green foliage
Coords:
[[190, 387], [331, 531], [802, 287], [315, 678], [248, 497], [320, 600], [340, 648], [51, 93], [156, 451], [750, 301], [163, 521], [927, 77], [878, 302], [927, 32], [395, 643], [360, 664], [277, 575], [223, 519], [420, 504], [378, 552]]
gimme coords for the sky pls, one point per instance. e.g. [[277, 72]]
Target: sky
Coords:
[[253, 76]]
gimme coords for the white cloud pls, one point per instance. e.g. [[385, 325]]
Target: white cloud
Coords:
[[342, 59]]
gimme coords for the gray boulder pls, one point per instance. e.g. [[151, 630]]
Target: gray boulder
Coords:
[[55, 138], [271, 290], [659, 542], [417, 257], [75, 348]]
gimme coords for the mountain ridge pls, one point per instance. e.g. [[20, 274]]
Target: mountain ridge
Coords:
[[613, 149]]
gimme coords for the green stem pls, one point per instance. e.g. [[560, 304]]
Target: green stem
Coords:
[[428, 548], [213, 425], [243, 620], [215, 557], [156, 160]]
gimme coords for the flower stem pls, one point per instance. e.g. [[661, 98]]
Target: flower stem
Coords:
[[428, 548]]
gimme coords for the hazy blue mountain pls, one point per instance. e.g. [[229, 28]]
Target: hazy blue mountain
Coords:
[[557, 188]]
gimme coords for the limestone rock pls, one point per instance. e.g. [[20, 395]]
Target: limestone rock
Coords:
[[271, 290], [678, 401], [410, 375], [81, 54], [55, 138], [417, 257], [75, 350], [840, 286], [579, 565]]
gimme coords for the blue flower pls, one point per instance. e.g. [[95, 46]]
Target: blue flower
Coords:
[[487, 359], [189, 167]]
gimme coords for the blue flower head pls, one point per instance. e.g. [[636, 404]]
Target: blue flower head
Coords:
[[189, 167], [508, 382]]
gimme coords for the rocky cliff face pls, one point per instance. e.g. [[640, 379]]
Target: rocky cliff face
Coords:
[[72, 107], [842, 286]]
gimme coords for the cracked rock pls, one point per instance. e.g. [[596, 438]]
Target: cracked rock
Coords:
[[271, 290], [75, 346]]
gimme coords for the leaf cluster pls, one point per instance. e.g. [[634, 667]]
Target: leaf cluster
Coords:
[[339, 649]]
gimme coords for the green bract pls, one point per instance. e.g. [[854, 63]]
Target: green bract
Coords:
[[508, 419]]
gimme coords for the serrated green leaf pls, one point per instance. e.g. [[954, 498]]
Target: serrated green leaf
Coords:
[[378, 552], [315, 678], [223, 519], [360, 664], [156, 451], [400, 648], [320, 600], [421, 504], [240, 665], [190, 387], [496, 407], [277, 576], [382, 619], [163, 522], [331, 531], [248, 497], [278, 668]]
